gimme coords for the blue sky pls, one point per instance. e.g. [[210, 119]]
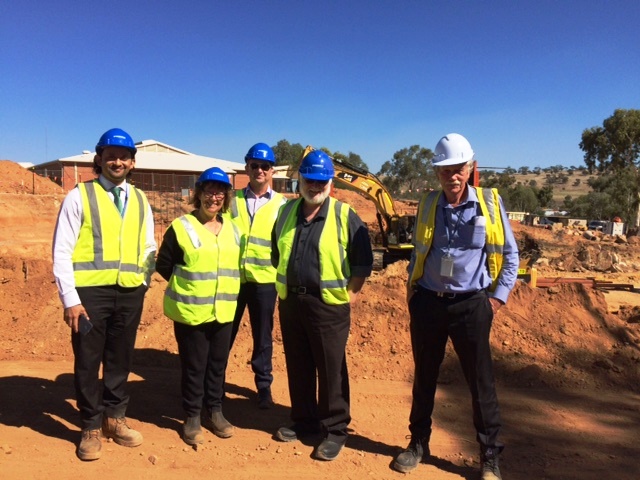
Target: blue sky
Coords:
[[520, 80]]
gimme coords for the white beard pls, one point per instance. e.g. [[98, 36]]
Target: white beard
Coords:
[[315, 199]]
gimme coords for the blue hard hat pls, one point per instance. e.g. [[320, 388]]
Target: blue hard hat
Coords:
[[260, 151], [316, 165], [213, 174], [116, 137]]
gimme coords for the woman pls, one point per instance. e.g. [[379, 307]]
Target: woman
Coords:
[[200, 258]]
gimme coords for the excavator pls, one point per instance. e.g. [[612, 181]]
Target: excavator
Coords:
[[395, 229]]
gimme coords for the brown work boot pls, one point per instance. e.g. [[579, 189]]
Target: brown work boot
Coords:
[[219, 425], [192, 432], [90, 447], [118, 430]]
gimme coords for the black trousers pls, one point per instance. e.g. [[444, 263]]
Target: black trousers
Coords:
[[115, 313], [204, 352], [261, 299], [468, 323], [314, 337]]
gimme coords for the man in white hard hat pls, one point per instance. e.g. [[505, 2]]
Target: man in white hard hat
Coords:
[[462, 270]]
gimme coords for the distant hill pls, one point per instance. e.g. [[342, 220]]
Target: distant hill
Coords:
[[560, 190]]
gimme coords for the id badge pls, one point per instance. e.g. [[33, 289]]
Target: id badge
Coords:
[[446, 266]]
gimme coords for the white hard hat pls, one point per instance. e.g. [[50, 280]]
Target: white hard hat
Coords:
[[452, 149]]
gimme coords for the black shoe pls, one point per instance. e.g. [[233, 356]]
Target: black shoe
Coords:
[[265, 400], [490, 469], [295, 431], [410, 457], [219, 425], [328, 450], [192, 431]]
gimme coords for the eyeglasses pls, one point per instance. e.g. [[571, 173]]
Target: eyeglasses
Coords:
[[453, 170], [265, 167], [213, 194], [317, 182]]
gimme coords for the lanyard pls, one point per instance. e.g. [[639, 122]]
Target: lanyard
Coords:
[[451, 234]]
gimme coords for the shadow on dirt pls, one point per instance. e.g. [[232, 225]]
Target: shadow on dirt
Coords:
[[541, 425], [156, 399], [45, 406]]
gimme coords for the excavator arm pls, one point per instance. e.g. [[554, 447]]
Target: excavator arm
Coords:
[[395, 229], [367, 184]]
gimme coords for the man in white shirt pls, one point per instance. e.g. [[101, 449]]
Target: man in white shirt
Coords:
[[103, 256]]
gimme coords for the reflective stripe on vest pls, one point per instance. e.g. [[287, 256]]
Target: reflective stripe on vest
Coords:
[[489, 205], [334, 240], [255, 263], [494, 246], [206, 287], [110, 248]]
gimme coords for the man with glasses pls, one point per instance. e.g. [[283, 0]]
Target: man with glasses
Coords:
[[462, 270], [322, 251], [254, 209]]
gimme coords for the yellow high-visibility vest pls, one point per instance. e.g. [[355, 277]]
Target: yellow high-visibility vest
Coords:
[[255, 263], [110, 248], [205, 288], [426, 223], [335, 270]]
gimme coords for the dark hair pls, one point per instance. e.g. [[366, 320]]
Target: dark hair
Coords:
[[195, 198], [97, 169]]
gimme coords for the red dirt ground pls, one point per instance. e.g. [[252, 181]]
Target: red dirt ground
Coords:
[[567, 362]]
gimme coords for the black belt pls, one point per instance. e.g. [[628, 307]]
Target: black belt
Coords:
[[304, 291], [449, 295]]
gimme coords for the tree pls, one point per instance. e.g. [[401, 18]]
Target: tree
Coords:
[[352, 159], [594, 205], [620, 189], [287, 154], [521, 199], [569, 204], [545, 195], [410, 170], [503, 180], [615, 147]]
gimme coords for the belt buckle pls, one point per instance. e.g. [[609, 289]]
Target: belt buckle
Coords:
[[301, 290], [449, 295]]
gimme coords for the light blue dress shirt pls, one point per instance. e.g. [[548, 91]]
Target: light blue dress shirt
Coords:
[[461, 233]]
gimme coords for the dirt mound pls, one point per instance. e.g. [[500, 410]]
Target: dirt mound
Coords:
[[558, 337], [16, 179], [564, 337]]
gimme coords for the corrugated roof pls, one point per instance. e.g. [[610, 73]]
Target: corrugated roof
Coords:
[[170, 159]]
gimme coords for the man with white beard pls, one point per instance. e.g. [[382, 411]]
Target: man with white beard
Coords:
[[322, 253]]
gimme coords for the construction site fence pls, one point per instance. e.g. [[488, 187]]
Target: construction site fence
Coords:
[[168, 193]]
